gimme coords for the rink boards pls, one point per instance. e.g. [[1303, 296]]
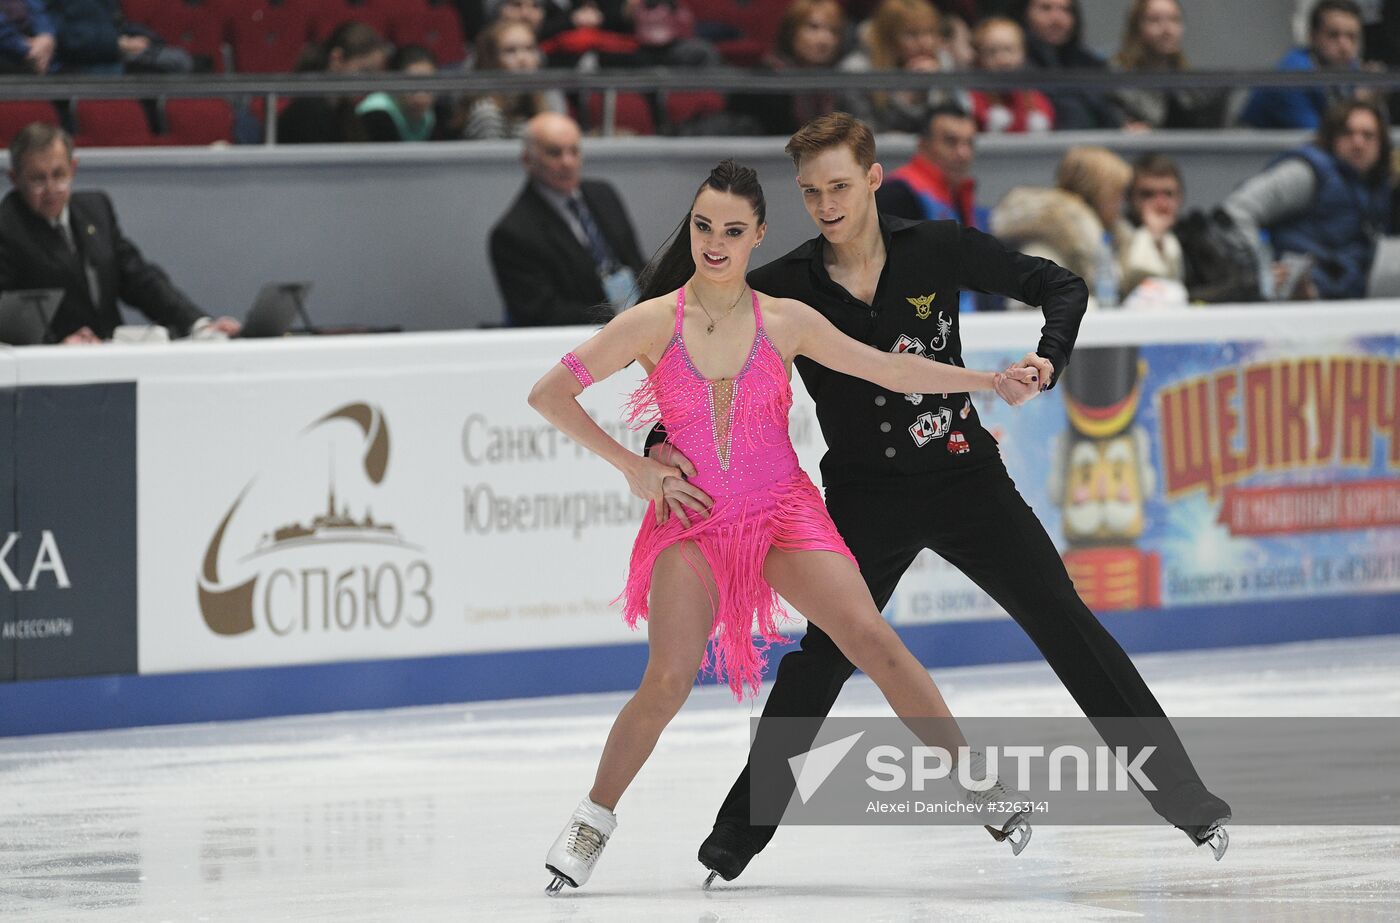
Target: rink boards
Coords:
[[207, 531]]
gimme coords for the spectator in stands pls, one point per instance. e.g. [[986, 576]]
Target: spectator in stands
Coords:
[[937, 181], [353, 48], [1001, 48], [1075, 224], [402, 116], [1334, 44], [95, 38], [1324, 205], [27, 42], [1053, 42], [52, 237], [810, 36], [565, 252], [901, 35], [507, 45], [937, 184], [530, 12], [1149, 249], [665, 34], [1152, 37]]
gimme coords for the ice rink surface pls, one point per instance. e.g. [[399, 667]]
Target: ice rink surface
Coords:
[[445, 813]]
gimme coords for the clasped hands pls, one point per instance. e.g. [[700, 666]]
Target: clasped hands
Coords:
[[1024, 380], [661, 476]]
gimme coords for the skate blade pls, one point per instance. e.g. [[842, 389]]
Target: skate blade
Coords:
[[709, 881], [560, 880], [1218, 839], [1016, 831]]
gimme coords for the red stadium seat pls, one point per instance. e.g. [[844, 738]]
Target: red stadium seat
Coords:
[[141, 10], [15, 115], [198, 121], [685, 105], [269, 38], [112, 123], [200, 29], [633, 114], [437, 27], [756, 20], [327, 15]]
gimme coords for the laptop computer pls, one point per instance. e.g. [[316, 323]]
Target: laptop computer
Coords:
[[275, 309], [25, 315]]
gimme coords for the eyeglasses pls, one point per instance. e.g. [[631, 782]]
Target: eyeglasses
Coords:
[[1155, 193]]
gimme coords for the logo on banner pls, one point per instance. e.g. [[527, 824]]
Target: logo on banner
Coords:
[[931, 426], [321, 570]]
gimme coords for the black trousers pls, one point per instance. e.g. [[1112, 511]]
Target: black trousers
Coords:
[[976, 520]]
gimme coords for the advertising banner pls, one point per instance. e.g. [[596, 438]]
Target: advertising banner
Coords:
[[68, 557], [294, 518], [1175, 475]]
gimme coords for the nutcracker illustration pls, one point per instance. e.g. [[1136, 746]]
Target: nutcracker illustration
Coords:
[[1101, 478]]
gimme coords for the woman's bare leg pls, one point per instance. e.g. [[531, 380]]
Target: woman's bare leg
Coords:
[[827, 588], [682, 613]]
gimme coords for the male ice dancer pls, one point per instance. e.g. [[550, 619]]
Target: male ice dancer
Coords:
[[907, 472]]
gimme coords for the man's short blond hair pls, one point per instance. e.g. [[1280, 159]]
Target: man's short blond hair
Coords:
[[835, 129]]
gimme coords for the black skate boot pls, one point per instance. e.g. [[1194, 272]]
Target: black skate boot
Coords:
[[1202, 817], [725, 852]]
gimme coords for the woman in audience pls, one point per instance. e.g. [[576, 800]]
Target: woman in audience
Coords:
[[353, 48], [1152, 37], [507, 46], [903, 35], [811, 36], [402, 116], [1001, 48], [1077, 224], [1149, 249], [1053, 42]]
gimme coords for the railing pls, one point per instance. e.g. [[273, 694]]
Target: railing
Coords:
[[610, 82]]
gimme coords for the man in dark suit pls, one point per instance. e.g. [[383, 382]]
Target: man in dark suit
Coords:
[[565, 252], [52, 237]]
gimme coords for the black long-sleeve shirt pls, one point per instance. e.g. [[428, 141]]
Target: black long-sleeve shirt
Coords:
[[871, 432]]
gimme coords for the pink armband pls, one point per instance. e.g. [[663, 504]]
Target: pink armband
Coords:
[[573, 365]]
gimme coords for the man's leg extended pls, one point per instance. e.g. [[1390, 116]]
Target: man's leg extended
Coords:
[[991, 534], [884, 539]]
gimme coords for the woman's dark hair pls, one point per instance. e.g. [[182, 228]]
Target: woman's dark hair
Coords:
[[672, 264], [351, 37], [1323, 7], [408, 55], [1335, 122], [1076, 35]]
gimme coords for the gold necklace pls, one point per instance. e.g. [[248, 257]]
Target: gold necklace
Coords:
[[698, 300]]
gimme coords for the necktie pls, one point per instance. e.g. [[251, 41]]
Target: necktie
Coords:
[[89, 272], [597, 243]]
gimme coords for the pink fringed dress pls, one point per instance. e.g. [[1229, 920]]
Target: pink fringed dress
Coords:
[[735, 432]]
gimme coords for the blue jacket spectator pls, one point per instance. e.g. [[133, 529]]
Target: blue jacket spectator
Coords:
[[26, 37], [1334, 44], [1328, 201], [95, 38]]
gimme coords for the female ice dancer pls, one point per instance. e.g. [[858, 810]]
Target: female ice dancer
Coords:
[[718, 357]]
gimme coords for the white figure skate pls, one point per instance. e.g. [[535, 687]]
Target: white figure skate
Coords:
[[576, 851], [996, 802]]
